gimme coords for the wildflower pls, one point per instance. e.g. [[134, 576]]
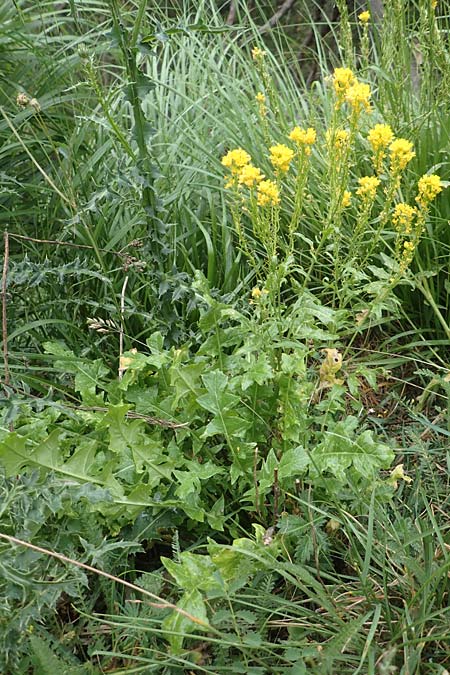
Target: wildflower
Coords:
[[346, 199], [380, 137], [34, 103], [250, 175], [303, 138], [358, 96], [281, 156], [364, 17], [337, 139], [22, 100], [258, 54], [397, 474], [401, 153], [343, 79], [268, 193], [258, 292], [368, 187], [402, 217], [408, 246], [429, 187], [260, 98], [235, 160], [433, 4]]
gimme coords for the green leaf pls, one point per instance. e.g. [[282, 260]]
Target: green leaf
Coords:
[[195, 572], [217, 400], [178, 624], [340, 450], [260, 371]]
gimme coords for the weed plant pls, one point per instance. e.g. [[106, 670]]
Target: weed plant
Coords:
[[266, 481]]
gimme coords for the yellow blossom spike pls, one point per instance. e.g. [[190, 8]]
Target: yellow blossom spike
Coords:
[[268, 193], [429, 187], [281, 157], [235, 160], [403, 217], [250, 175], [303, 138], [343, 79], [401, 152], [368, 187], [258, 54], [346, 199], [358, 96], [364, 17]]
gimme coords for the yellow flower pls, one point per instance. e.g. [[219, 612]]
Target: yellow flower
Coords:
[[256, 292], [401, 153], [343, 79], [303, 138], [250, 175], [397, 474], [380, 137], [402, 217], [260, 97], [235, 160], [433, 4], [338, 138], [346, 199], [358, 96], [429, 187], [364, 17], [367, 187], [258, 54], [268, 193], [281, 156]]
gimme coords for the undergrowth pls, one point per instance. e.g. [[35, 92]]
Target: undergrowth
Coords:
[[225, 338]]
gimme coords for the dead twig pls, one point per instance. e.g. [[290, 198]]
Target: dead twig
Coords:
[[231, 14], [6, 377], [160, 602], [122, 368], [272, 22]]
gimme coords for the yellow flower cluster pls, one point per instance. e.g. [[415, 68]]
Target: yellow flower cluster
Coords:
[[304, 138], [268, 193], [429, 187], [380, 137], [367, 187], [250, 175], [349, 89], [346, 199], [403, 217], [338, 139], [343, 79], [401, 152], [258, 292], [258, 54], [235, 160], [358, 96], [364, 17], [261, 101], [281, 156]]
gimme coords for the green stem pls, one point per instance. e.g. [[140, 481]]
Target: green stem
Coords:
[[128, 50]]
